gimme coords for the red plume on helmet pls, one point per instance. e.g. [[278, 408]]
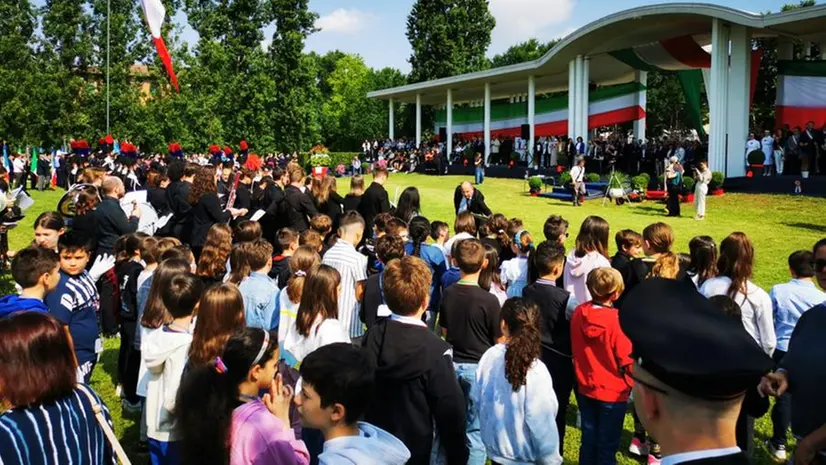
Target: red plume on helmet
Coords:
[[175, 150], [244, 147], [214, 149], [128, 150], [79, 147], [227, 150]]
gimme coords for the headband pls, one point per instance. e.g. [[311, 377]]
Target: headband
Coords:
[[264, 346], [518, 236], [301, 273]]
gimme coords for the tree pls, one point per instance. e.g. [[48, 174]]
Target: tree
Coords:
[[448, 37], [520, 53], [666, 108], [18, 82], [292, 119]]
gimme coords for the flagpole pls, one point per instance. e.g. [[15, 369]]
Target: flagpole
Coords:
[[108, 43]]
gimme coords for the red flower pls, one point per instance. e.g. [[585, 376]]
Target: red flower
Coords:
[[750, 174]]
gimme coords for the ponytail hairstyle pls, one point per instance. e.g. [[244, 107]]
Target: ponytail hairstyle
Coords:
[[522, 322], [319, 299], [419, 229], [490, 276], [127, 246], [498, 226], [667, 266], [703, 258], [155, 314], [239, 262], [304, 261], [522, 242], [736, 262], [209, 393]]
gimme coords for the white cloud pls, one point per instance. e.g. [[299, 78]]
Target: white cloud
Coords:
[[520, 20], [345, 21]]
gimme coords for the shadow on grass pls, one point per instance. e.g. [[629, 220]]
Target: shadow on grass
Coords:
[[818, 228], [109, 362]]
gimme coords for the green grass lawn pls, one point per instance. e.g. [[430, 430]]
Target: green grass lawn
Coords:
[[778, 225]]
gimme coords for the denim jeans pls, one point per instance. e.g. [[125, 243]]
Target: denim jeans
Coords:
[[480, 175], [601, 430], [466, 372], [782, 412]]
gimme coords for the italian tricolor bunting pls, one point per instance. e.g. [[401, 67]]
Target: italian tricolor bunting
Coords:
[[608, 105], [801, 93]]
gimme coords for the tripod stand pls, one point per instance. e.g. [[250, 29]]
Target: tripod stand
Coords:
[[611, 181]]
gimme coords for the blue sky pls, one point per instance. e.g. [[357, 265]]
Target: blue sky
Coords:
[[375, 29]]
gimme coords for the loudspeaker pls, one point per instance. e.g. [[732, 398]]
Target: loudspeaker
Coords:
[[526, 131], [443, 134]]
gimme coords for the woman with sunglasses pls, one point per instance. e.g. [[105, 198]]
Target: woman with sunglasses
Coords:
[[220, 416]]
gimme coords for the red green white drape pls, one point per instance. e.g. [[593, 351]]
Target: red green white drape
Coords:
[[801, 93], [607, 106]]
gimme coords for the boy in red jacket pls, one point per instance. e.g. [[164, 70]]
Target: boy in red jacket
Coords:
[[602, 361]]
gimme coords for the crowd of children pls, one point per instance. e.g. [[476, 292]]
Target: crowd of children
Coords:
[[365, 344]]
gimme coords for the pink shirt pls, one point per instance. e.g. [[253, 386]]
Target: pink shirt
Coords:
[[259, 438]]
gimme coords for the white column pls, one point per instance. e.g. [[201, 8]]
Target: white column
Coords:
[[642, 98], [449, 108], [739, 86], [532, 114], [418, 120], [571, 98], [584, 96], [391, 123], [487, 121], [718, 97]]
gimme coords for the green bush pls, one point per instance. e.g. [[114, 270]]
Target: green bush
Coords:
[[661, 181], [641, 182], [365, 167], [535, 183], [688, 185], [647, 178], [565, 178], [592, 177], [756, 157], [717, 180], [618, 181], [336, 158]]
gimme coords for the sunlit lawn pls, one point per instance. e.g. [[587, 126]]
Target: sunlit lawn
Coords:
[[778, 225]]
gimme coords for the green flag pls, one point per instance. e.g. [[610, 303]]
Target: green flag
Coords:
[[34, 160], [692, 83]]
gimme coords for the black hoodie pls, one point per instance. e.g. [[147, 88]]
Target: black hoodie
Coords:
[[416, 389]]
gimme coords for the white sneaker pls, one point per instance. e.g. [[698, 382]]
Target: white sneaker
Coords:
[[778, 453]]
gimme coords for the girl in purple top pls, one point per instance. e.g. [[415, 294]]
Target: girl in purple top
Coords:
[[222, 420]]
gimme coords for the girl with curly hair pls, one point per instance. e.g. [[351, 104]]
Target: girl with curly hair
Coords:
[[511, 372]]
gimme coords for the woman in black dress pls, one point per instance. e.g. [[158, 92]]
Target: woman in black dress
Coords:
[[353, 198], [206, 208], [327, 200]]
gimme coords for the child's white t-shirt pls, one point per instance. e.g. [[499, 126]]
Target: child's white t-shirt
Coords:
[[322, 333], [514, 274]]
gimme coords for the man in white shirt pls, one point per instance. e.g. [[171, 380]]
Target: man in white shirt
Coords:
[[751, 145], [352, 266], [578, 180]]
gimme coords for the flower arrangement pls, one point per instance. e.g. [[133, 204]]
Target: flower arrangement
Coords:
[[319, 156]]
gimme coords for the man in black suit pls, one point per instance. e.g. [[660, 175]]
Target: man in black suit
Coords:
[[808, 148], [467, 197], [374, 200], [299, 206], [686, 394]]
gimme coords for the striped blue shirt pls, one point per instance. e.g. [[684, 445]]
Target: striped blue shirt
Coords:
[[61, 432], [352, 266]]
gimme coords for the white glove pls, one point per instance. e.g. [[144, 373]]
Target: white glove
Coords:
[[102, 264]]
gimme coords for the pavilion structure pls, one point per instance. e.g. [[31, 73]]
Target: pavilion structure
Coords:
[[596, 76]]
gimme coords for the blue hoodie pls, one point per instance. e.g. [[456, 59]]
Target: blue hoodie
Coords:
[[373, 446], [14, 303]]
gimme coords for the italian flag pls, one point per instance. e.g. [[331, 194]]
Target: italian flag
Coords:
[[155, 14], [607, 106], [801, 93]]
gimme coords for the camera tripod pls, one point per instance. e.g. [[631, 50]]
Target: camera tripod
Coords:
[[611, 181]]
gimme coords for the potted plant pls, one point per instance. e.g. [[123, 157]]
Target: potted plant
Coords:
[[804, 166], [319, 161], [565, 179], [755, 159], [592, 177], [535, 185], [515, 158], [716, 184], [365, 167], [688, 190], [640, 182]]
